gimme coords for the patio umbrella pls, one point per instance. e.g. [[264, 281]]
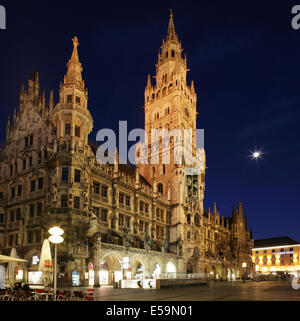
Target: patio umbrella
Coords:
[[8, 259], [11, 267], [46, 264]]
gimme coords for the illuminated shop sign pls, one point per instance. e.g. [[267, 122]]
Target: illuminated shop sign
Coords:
[[288, 252]]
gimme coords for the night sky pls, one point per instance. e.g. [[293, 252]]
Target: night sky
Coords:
[[244, 59]]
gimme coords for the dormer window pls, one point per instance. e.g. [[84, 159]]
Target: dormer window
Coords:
[[69, 99]]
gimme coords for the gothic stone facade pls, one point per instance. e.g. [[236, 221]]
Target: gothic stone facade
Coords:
[[153, 214]]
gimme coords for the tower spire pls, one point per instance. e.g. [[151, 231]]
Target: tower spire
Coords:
[[171, 29], [74, 67]]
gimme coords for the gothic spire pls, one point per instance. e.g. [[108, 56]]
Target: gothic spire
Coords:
[[74, 67], [171, 35]]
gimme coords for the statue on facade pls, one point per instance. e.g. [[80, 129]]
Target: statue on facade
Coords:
[[164, 245], [85, 198], [179, 247], [93, 223], [127, 240], [148, 242], [54, 192]]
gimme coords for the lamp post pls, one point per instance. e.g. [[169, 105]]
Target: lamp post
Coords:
[[55, 238]]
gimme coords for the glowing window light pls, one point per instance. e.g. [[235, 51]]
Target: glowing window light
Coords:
[[256, 268], [265, 269], [20, 275]]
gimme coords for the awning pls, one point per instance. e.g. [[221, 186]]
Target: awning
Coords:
[[5, 259]]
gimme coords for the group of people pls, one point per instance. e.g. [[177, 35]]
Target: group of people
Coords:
[[21, 286]]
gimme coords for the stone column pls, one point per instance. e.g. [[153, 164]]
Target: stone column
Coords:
[[96, 259]]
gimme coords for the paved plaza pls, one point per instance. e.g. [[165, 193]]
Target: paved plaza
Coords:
[[215, 291]]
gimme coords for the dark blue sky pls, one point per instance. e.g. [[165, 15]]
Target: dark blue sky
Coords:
[[244, 58]]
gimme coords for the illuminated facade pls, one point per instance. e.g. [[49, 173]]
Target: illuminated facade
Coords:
[[119, 222], [276, 255]]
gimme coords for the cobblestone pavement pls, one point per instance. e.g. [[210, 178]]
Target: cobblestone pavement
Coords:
[[215, 291]]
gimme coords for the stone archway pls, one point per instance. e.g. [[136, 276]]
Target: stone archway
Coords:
[[212, 273], [206, 270]]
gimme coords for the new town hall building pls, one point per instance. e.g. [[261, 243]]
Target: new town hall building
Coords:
[[118, 222]]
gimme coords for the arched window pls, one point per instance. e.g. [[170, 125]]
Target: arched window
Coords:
[[160, 188], [188, 218], [188, 235]]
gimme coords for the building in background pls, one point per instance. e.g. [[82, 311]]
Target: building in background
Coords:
[[119, 222], [276, 256]]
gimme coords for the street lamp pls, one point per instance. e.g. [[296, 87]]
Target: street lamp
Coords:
[[55, 238]]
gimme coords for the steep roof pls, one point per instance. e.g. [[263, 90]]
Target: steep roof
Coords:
[[275, 241]]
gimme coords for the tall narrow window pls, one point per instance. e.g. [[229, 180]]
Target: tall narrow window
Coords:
[[24, 164], [65, 174], [39, 208], [31, 210], [18, 214], [19, 190], [77, 100], [39, 157], [104, 191], [67, 129], [32, 188], [12, 216], [26, 141], [13, 192], [77, 131], [31, 140], [69, 99], [77, 176], [64, 201], [76, 202], [40, 183]]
